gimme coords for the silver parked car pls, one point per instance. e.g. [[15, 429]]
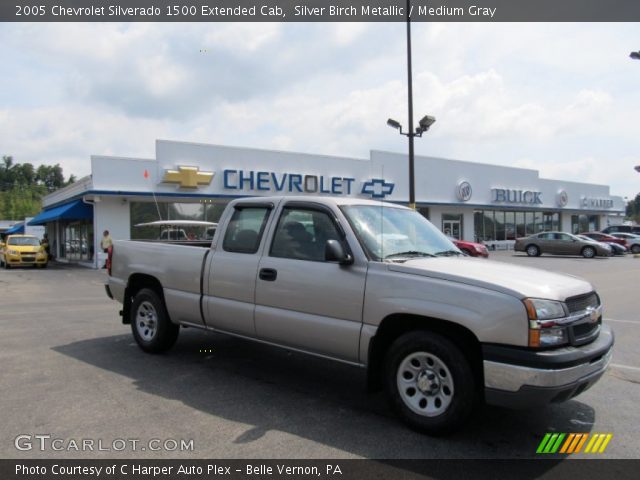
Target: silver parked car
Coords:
[[561, 243], [633, 241]]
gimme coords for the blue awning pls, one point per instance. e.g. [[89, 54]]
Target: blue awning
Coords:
[[18, 228], [76, 210]]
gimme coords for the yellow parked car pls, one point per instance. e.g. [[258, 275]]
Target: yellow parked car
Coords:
[[20, 250]]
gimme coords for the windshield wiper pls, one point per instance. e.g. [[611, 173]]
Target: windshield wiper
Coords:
[[448, 253], [409, 253]]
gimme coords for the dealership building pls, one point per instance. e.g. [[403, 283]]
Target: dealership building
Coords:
[[189, 181]]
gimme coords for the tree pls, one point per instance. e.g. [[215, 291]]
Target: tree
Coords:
[[22, 187], [633, 209]]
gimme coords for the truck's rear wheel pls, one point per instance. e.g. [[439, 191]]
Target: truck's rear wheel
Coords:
[[429, 382], [150, 322]]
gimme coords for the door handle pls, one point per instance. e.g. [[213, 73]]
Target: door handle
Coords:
[[268, 274]]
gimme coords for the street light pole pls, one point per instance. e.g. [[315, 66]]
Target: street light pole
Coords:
[[424, 123], [412, 187]]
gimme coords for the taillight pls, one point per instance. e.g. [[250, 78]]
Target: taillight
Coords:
[[109, 258]]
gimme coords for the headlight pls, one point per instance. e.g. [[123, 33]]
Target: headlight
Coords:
[[539, 309], [549, 337], [543, 331], [12, 252]]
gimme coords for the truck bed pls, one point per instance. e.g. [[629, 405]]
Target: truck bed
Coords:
[[177, 266]]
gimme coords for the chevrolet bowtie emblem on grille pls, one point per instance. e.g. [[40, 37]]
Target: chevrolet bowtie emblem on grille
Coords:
[[188, 177]]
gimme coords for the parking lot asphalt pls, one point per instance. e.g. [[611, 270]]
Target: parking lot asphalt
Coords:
[[71, 370]]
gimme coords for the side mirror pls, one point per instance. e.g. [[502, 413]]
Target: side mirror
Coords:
[[334, 252]]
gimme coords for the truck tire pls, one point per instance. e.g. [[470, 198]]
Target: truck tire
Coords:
[[429, 382], [153, 330]]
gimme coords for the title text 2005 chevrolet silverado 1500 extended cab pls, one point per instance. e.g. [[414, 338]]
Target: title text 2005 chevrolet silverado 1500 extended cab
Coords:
[[378, 286]]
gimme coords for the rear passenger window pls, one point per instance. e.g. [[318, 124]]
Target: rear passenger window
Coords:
[[245, 229], [302, 234]]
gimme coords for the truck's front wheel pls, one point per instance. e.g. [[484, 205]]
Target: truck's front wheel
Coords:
[[429, 382], [150, 322]]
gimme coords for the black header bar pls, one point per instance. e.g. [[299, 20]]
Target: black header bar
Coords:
[[330, 469], [319, 10]]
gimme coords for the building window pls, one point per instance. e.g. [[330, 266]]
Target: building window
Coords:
[[424, 211], [452, 225], [490, 225], [77, 241], [584, 223], [145, 212]]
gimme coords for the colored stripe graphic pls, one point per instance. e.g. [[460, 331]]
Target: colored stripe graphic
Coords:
[[606, 442], [569, 443], [543, 443]]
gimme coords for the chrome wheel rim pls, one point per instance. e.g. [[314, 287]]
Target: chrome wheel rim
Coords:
[[532, 251], [589, 252], [425, 384], [146, 321]]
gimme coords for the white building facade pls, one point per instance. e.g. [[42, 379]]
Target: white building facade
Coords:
[[470, 201]]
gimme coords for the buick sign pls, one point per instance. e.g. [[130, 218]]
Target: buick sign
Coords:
[[504, 195], [464, 191]]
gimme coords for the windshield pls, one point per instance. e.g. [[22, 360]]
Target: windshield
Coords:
[[30, 241], [388, 233]]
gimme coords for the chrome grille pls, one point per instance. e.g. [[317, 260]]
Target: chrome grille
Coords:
[[582, 302], [587, 330], [583, 330]]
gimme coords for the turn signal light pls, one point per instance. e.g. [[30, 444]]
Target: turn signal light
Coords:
[[534, 338]]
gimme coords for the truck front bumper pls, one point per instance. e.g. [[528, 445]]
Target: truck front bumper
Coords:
[[522, 378]]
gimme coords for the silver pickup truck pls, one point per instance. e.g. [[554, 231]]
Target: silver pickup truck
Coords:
[[375, 285]]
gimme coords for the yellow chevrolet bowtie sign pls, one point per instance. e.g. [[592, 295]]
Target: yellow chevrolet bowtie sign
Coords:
[[188, 177]]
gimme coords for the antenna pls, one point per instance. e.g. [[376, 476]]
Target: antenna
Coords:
[[156, 202], [381, 215], [153, 193]]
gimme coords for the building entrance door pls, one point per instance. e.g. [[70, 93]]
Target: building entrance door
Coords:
[[452, 228]]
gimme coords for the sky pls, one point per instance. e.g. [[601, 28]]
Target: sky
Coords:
[[561, 98]]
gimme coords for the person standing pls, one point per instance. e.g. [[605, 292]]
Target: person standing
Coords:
[[45, 243], [105, 243]]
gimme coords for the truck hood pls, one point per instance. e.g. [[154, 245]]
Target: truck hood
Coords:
[[511, 279]]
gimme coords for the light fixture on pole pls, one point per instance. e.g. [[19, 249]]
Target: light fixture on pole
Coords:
[[423, 125]]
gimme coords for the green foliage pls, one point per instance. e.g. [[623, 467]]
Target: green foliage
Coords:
[[633, 209], [22, 187]]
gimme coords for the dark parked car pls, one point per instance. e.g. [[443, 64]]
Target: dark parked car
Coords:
[[622, 229], [471, 248], [604, 237], [560, 243], [616, 247]]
